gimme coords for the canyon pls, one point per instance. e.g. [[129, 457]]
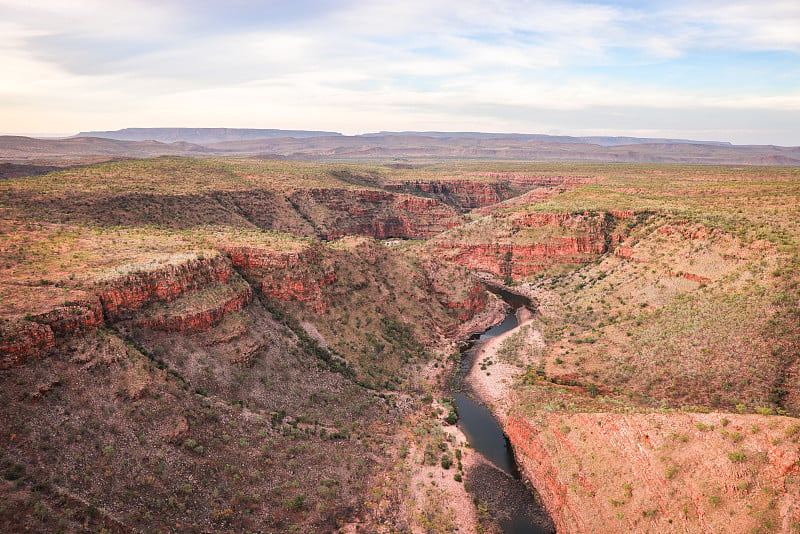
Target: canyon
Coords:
[[247, 344]]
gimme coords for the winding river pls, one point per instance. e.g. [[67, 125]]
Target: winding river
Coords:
[[513, 506]]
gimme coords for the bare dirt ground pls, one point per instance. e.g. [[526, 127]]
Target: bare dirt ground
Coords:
[[432, 483], [492, 386]]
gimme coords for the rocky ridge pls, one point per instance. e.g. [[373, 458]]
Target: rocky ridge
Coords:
[[537, 241], [195, 295]]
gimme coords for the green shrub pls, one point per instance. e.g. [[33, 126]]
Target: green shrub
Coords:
[[737, 457], [447, 462]]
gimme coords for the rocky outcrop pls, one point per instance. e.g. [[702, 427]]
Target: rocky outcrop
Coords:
[[128, 298], [123, 296], [686, 231], [691, 276], [472, 304], [22, 340], [36, 334], [624, 251], [536, 241], [520, 180], [193, 295], [289, 276], [379, 214], [204, 311], [463, 194], [72, 318], [524, 260], [488, 189]]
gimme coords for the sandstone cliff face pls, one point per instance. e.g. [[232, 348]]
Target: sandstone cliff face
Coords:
[[72, 318], [21, 341], [39, 333], [203, 310], [379, 214], [524, 260], [536, 241], [475, 194], [140, 299], [474, 302], [288, 276], [464, 194], [603, 472], [195, 295], [121, 297]]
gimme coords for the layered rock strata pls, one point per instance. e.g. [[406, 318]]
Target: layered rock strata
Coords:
[[379, 214], [537, 241]]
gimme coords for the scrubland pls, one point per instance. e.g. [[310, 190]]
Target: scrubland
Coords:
[[244, 344]]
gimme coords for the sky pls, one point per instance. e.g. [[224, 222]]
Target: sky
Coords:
[[709, 70]]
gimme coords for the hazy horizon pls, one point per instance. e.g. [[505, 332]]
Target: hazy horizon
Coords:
[[722, 71], [59, 136]]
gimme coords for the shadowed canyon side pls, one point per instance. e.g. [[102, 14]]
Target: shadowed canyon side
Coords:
[[214, 345], [193, 371], [209, 374]]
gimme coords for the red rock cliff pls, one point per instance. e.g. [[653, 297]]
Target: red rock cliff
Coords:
[[24, 340], [379, 214], [38, 333], [574, 238], [289, 276], [474, 194], [121, 297], [524, 260], [464, 194], [201, 311]]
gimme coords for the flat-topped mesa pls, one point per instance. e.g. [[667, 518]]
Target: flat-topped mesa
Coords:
[[289, 276], [378, 214]]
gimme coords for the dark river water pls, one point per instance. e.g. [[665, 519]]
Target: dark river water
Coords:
[[486, 436]]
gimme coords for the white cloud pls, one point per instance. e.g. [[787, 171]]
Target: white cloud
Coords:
[[369, 64]]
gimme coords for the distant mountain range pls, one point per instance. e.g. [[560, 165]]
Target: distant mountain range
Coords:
[[594, 140], [201, 136], [205, 136], [411, 147]]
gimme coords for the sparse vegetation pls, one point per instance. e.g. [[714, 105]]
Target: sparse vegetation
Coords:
[[285, 411]]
